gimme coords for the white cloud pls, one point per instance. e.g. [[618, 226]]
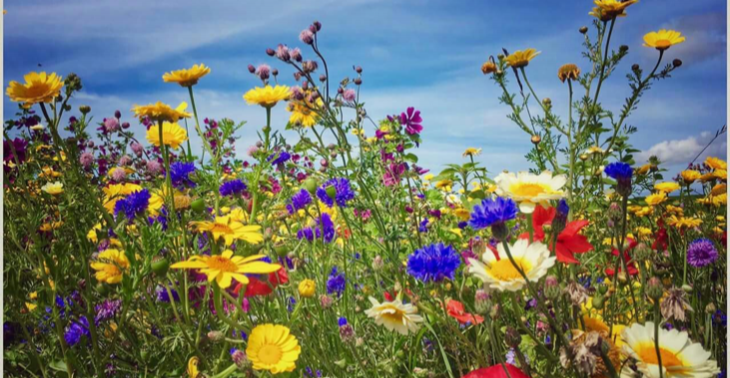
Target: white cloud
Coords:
[[682, 151]]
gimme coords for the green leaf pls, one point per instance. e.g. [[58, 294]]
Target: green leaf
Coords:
[[58, 365]]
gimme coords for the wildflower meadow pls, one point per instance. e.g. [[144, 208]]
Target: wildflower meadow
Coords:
[[155, 257]]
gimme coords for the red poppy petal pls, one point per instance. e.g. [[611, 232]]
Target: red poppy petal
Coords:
[[572, 228], [497, 371], [575, 243], [564, 255]]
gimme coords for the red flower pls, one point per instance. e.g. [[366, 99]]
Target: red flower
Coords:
[[661, 239], [570, 241], [631, 266], [497, 371], [455, 309], [263, 285]]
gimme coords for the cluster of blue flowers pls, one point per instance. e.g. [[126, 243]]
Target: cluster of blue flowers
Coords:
[[76, 330], [492, 211], [299, 201], [618, 171], [231, 188], [325, 230], [132, 205], [336, 282], [433, 263], [180, 174], [342, 192]]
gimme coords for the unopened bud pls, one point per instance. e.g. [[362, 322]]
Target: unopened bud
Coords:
[[623, 48], [84, 109], [583, 29], [552, 288], [654, 288], [676, 63], [357, 81], [270, 52], [512, 337], [635, 67], [535, 139], [642, 252], [215, 336], [583, 157], [251, 68]]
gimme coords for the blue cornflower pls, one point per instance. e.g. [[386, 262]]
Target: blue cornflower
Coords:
[[161, 219], [618, 171], [164, 296], [277, 158], [305, 233], [701, 252], [492, 211], [132, 205], [233, 187], [299, 201], [325, 228], [180, 174], [341, 321], [433, 263], [335, 282], [563, 207], [76, 330], [339, 188]]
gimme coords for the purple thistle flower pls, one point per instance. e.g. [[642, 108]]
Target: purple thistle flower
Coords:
[[107, 310], [433, 263], [411, 119], [701, 252], [233, 187]]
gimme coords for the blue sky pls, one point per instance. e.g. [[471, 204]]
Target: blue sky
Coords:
[[425, 54]]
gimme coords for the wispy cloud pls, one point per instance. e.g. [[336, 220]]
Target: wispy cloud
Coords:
[[682, 151]]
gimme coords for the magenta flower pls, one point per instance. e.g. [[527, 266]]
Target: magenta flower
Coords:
[[411, 119]]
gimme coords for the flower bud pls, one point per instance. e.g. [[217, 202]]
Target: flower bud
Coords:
[[623, 48], [160, 265], [357, 81], [325, 301], [642, 252], [377, 263], [358, 69], [84, 109], [614, 212], [270, 52], [583, 157], [274, 72], [125, 125], [552, 288], [215, 336], [512, 337], [251, 68], [500, 231], [118, 114], [535, 139], [322, 78], [710, 309], [654, 288], [241, 360], [583, 29], [547, 102], [677, 63], [634, 67], [598, 302], [495, 312]]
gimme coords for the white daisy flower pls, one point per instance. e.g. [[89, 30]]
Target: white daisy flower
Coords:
[[499, 273], [528, 189], [395, 316]]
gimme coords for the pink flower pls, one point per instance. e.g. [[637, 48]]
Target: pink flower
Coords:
[[111, 125], [263, 71], [86, 159], [349, 95], [306, 36]]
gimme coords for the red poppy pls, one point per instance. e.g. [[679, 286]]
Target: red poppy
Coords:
[[497, 371], [661, 239], [263, 284], [631, 266], [455, 309], [570, 241]]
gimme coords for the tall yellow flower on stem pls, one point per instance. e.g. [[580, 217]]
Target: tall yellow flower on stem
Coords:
[[38, 87], [607, 10], [225, 267], [272, 347], [267, 96], [172, 135], [568, 72], [186, 77], [716, 163], [228, 229], [471, 151], [666, 187], [663, 39], [110, 266], [690, 176], [159, 112], [656, 198], [519, 59]]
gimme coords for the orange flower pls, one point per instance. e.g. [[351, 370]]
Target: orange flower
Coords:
[[456, 310]]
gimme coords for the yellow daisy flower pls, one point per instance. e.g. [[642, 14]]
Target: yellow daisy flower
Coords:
[[471, 151], [690, 176], [114, 193], [644, 169], [160, 112], [520, 59], [656, 199], [273, 348], [225, 267], [230, 230], [663, 39], [267, 96], [716, 163], [53, 188], [606, 10], [307, 288], [172, 135], [666, 187], [38, 87], [110, 266], [568, 72], [157, 200], [186, 77]]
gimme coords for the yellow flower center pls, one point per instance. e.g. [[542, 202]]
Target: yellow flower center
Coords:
[[647, 353], [396, 316], [504, 270], [270, 354], [529, 189], [663, 43], [221, 228], [222, 264]]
